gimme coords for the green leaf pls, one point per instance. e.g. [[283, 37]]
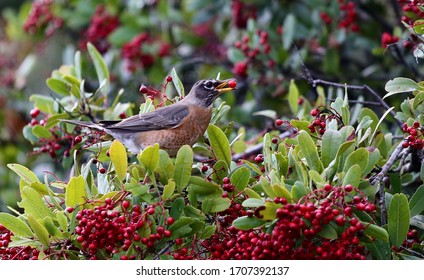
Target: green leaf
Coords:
[[39, 230], [150, 158], [58, 86], [177, 83], [208, 231], [378, 124], [15, 225], [309, 151], [235, 55], [251, 193], [33, 204], [181, 227], [374, 157], [44, 103], [253, 202], [400, 84], [398, 222], [352, 176], [328, 232], [220, 171], [193, 212], [27, 175], [75, 192], [165, 168], [418, 99], [376, 232], [41, 131], [217, 204], [293, 97], [202, 186], [118, 156], [168, 190], [380, 250], [220, 144], [240, 178], [183, 164], [360, 157], [51, 228], [289, 27], [331, 142], [100, 66], [416, 203], [246, 223], [62, 220]]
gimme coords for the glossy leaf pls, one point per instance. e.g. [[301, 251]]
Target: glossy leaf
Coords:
[[309, 151], [331, 142], [15, 225], [41, 131], [240, 178], [289, 27], [168, 190], [400, 84], [220, 144], [27, 175], [253, 202], [33, 204], [246, 223], [293, 97], [214, 205], [100, 66], [183, 164], [165, 168], [416, 203], [118, 156], [352, 176], [398, 222], [150, 158], [328, 232], [359, 157], [58, 86], [177, 83], [75, 192], [376, 232], [39, 230]]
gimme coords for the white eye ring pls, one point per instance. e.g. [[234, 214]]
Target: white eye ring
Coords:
[[208, 85]]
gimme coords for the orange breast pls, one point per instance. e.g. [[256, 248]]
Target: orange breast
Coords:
[[191, 128]]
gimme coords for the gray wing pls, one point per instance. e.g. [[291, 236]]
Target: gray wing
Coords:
[[162, 118]]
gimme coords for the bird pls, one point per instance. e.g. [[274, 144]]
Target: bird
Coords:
[[173, 126]]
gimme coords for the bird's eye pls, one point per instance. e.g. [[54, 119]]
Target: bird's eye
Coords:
[[208, 85]]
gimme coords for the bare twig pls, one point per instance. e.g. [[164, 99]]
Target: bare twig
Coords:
[[383, 103], [379, 179], [258, 147], [412, 252]]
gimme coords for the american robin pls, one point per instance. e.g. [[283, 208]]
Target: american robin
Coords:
[[172, 126]]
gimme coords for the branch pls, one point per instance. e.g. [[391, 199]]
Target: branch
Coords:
[[258, 147], [381, 102], [379, 179]]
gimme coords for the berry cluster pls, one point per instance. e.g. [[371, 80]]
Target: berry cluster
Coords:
[[102, 24], [411, 10], [41, 18], [319, 123], [296, 233], [116, 228], [241, 13], [348, 16], [14, 253], [254, 53], [387, 39], [415, 137], [59, 143], [140, 51]]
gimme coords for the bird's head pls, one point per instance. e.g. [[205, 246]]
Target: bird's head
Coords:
[[204, 92]]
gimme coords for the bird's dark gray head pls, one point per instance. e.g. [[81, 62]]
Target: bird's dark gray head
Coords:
[[204, 92]]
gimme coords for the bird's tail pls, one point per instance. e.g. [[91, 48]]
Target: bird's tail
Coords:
[[86, 124]]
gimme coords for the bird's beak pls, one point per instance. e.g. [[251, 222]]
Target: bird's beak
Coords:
[[222, 87]]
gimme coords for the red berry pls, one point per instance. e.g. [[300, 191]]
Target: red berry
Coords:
[[328, 187], [167, 233], [226, 180], [102, 170], [143, 89], [416, 124], [168, 79], [78, 139], [122, 115], [314, 112], [151, 211], [34, 112], [348, 188], [204, 168], [108, 201], [405, 145], [70, 209], [279, 122], [179, 241], [170, 221], [125, 204], [232, 83]]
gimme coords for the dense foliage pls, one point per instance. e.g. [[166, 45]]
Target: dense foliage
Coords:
[[306, 160]]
